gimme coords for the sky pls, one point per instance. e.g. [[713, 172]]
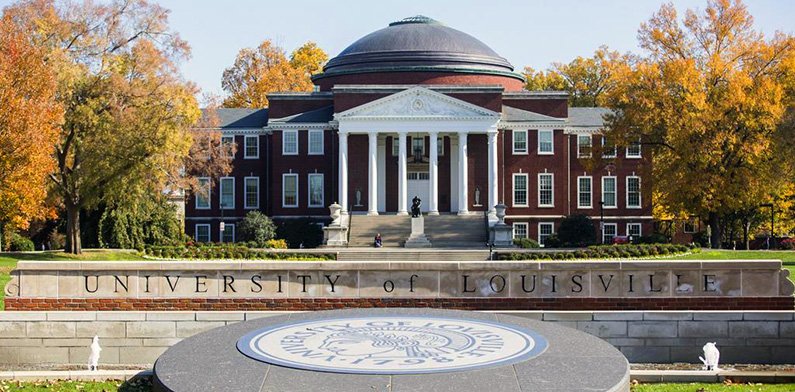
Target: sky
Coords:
[[531, 33]]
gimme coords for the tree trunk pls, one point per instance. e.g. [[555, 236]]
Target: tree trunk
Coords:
[[1, 236], [714, 225], [73, 244], [746, 229]]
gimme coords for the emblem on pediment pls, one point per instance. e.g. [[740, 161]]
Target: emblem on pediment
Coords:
[[418, 102]]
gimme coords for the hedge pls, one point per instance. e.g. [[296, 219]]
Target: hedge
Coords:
[[600, 252], [229, 251]]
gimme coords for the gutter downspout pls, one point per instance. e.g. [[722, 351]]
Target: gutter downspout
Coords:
[[568, 174]]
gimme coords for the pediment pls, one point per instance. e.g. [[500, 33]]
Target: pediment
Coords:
[[417, 102]]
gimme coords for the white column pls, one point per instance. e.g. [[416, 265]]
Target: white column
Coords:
[[463, 188], [493, 172], [402, 185], [433, 169], [372, 170], [343, 172]]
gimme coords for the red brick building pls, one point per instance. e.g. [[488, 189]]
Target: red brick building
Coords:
[[421, 109]]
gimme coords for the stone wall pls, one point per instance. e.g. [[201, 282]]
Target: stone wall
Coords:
[[643, 336]]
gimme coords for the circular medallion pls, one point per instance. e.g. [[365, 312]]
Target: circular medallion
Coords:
[[392, 345], [417, 104]]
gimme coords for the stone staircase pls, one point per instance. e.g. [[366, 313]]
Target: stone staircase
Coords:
[[394, 230], [392, 254], [456, 231]]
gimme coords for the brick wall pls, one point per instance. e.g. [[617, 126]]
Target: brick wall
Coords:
[[654, 337]]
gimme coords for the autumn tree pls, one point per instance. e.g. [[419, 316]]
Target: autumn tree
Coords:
[[586, 79], [29, 119], [265, 69], [708, 99], [126, 108]]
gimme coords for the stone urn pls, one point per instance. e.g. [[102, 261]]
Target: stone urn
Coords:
[[500, 210], [334, 211]]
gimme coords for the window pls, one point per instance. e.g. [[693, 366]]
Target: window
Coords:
[[633, 192], [418, 145], [419, 176], [315, 142], [583, 146], [545, 229], [545, 142], [545, 190], [634, 230], [519, 141], [691, 225], [289, 190], [251, 192], [584, 195], [289, 142], [227, 192], [609, 192], [440, 146], [251, 146], [226, 142], [202, 232], [520, 230], [520, 190], [203, 194], [316, 190], [609, 231], [395, 146], [228, 235], [608, 148], [634, 150]]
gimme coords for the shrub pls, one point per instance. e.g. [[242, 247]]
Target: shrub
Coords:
[[257, 229], [19, 243], [276, 244], [577, 230], [787, 244], [553, 242], [526, 243], [654, 238], [302, 232], [598, 252]]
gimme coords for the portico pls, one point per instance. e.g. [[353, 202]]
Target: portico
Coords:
[[425, 119]]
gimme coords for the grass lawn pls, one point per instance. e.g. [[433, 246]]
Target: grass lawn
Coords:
[[713, 388], [786, 256], [138, 385], [9, 260]]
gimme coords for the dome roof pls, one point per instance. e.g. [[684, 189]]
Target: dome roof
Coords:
[[418, 44]]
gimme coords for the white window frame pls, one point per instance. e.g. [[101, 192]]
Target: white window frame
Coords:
[[322, 190], [615, 192], [551, 133], [551, 224], [640, 150], [309, 142], [221, 193], [615, 149], [640, 229], [552, 194], [440, 146], [526, 191], [590, 146], [284, 142], [694, 224], [590, 192], [284, 176], [246, 145], [395, 146], [526, 229], [230, 140], [640, 194], [513, 141], [227, 227], [604, 231], [411, 145], [209, 195], [196, 232], [245, 192]]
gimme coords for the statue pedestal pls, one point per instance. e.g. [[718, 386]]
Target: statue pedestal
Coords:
[[417, 238], [334, 235], [502, 235]]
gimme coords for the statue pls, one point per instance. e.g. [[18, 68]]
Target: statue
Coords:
[[711, 356], [93, 358], [477, 196], [358, 197], [415, 207]]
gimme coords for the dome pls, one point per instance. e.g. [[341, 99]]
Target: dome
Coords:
[[418, 44]]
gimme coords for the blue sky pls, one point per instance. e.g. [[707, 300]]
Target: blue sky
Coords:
[[528, 33]]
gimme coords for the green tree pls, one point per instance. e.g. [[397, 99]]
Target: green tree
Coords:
[[577, 230], [150, 221], [256, 227]]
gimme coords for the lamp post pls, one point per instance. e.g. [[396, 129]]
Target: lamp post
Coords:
[[602, 221], [222, 225], [772, 238]]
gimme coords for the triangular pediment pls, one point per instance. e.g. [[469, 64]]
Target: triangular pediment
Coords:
[[417, 102]]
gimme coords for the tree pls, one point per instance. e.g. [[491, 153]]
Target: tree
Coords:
[[577, 230], [257, 227], [29, 119], [265, 69], [586, 79], [150, 221], [126, 108], [708, 100]]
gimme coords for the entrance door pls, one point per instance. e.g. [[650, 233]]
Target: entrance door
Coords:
[[418, 185]]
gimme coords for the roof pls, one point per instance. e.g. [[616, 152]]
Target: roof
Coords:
[[418, 44], [587, 117], [240, 117], [322, 115], [512, 114]]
